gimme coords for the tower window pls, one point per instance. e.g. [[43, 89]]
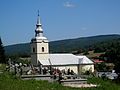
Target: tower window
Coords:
[[33, 49], [43, 49]]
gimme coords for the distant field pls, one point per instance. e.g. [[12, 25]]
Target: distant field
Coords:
[[92, 54]]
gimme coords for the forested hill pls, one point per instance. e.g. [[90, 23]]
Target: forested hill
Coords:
[[67, 45]]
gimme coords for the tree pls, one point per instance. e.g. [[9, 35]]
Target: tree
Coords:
[[113, 55], [2, 53], [101, 67]]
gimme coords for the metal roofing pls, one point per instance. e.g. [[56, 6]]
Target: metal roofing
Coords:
[[84, 60], [65, 59]]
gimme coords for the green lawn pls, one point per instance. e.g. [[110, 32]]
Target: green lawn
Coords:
[[104, 84], [10, 82]]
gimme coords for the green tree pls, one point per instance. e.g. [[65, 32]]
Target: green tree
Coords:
[[101, 67], [113, 54], [2, 53]]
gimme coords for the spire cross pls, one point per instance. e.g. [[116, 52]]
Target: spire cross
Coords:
[[38, 19], [38, 12]]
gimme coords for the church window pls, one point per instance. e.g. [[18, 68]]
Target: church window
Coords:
[[33, 49], [42, 49]]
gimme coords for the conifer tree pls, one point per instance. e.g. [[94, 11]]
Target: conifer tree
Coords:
[[2, 52]]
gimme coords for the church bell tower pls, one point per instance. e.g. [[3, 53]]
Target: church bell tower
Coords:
[[39, 45]]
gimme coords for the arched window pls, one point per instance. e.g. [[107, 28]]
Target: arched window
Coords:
[[43, 49], [33, 49]]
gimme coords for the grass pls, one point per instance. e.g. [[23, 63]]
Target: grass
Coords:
[[104, 84], [11, 82], [2, 67]]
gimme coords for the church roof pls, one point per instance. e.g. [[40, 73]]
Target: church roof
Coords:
[[66, 59], [84, 60]]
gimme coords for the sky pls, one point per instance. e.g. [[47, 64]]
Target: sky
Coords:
[[61, 19]]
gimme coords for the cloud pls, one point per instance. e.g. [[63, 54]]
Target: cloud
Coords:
[[69, 5]]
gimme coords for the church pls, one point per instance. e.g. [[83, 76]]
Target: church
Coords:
[[40, 55]]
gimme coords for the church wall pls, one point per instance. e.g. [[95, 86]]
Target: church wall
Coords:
[[33, 46], [39, 47], [74, 68], [84, 68], [33, 59], [33, 55], [42, 56]]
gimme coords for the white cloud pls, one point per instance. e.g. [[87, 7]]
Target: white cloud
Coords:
[[69, 5]]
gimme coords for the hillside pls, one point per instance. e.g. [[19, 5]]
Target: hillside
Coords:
[[67, 45], [18, 49]]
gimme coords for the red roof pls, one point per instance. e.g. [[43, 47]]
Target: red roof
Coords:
[[98, 61]]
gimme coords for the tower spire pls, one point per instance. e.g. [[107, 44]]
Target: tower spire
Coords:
[[38, 12], [38, 30], [38, 18]]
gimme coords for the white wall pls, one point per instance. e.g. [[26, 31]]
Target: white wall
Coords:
[[39, 47], [84, 68], [74, 68], [42, 56], [39, 54]]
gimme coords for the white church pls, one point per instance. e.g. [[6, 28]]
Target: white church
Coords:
[[40, 55]]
